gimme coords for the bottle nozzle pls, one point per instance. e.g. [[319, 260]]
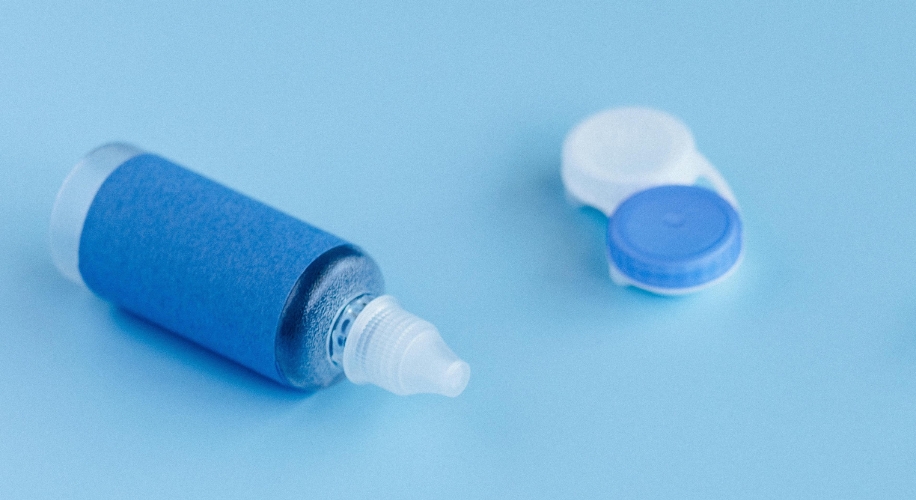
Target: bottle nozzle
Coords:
[[400, 352]]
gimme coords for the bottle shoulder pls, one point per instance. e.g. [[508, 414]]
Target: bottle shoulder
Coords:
[[324, 289]]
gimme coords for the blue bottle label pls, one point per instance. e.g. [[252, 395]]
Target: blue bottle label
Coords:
[[196, 257]]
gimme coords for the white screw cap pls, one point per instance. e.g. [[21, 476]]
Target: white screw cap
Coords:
[[401, 353]]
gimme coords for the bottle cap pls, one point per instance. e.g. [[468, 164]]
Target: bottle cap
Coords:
[[402, 353]]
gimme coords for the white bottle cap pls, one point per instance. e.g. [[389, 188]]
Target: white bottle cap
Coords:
[[401, 353]]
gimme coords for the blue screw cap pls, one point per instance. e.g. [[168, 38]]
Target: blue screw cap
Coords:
[[674, 237]]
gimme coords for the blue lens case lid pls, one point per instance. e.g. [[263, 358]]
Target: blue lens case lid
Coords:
[[674, 239]]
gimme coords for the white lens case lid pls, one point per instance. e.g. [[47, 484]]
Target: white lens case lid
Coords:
[[616, 153]]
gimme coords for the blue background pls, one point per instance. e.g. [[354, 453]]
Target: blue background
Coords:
[[430, 135]]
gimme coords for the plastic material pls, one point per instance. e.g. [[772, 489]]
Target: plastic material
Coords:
[[674, 238], [73, 201], [225, 271], [397, 351], [667, 241], [219, 268], [616, 153]]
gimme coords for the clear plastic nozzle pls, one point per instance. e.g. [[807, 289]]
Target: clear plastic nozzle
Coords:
[[401, 353]]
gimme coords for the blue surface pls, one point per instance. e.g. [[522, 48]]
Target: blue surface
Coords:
[[674, 237], [430, 135], [197, 258]]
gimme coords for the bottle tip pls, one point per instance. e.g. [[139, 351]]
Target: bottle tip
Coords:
[[456, 379], [399, 352]]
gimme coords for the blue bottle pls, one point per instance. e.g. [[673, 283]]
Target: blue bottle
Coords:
[[279, 296]]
